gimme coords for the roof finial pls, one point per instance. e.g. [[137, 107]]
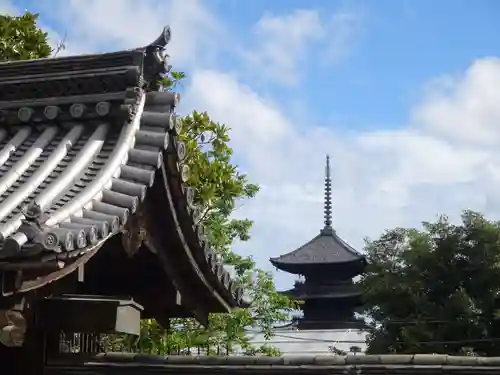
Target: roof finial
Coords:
[[328, 195]]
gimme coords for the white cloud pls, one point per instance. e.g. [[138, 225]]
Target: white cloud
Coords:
[[476, 94], [283, 43], [342, 29], [257, 124], [98, 25], [6, 7], [382, 179]]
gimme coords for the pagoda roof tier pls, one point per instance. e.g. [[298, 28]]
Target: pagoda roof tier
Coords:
[[324, 250], [306, 296], [89, 152], [327, 248], [302, 292]]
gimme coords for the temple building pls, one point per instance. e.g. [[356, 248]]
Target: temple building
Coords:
[[326, 266], [97, 223]]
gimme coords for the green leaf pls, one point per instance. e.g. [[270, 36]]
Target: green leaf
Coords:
[[21, 39], [431, 290]]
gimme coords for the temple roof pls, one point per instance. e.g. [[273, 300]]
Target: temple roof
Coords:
[[88, 150], [326, 248]]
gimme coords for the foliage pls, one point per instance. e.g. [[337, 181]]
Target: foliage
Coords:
[[218, 187], [435, 290], [21, 39]]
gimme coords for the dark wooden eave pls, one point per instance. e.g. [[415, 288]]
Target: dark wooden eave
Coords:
[[88, 153], [303, 292]]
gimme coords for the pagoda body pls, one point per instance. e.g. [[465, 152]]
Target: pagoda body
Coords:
[[327, 266]]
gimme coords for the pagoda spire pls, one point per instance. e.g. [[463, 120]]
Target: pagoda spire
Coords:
[[328, 195]]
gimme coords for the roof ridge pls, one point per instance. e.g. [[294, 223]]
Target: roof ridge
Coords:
[[373, 362], [299, 248], [346, 244]]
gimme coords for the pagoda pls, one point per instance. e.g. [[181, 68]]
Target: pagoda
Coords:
[[327, 266]]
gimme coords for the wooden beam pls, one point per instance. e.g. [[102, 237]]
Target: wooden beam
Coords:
[[91, 314]]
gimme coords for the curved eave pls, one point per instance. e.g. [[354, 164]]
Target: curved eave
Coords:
[[86, 181], [310, 296], [195, 250], [301, 268], [309, 255]]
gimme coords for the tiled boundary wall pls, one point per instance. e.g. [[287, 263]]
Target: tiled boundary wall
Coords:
[[136, 364]]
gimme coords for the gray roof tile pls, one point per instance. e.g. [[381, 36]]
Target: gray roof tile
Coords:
[[326, 247], [361, 364], [82, 139]]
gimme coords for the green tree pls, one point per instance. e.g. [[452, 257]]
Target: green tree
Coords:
[[21, 39], [435, 290], [219, 186]]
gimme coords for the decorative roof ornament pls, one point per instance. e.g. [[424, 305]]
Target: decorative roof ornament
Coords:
[[328, 196], [163, 39]]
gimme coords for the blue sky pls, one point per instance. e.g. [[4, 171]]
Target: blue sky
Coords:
[[395, 47], [403, 94]]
